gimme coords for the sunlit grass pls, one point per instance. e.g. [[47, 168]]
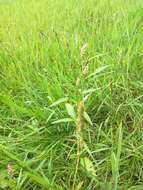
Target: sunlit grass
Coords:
[[45, 49]]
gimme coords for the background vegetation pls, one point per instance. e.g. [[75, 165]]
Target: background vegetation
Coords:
[[55, 55]]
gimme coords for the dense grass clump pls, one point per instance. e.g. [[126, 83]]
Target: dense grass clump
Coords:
[[71, 94]]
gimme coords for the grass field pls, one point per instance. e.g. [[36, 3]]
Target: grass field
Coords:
[[71, 95]]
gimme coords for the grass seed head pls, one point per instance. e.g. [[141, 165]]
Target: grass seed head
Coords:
[[85, 71], [83, 50], [80, 118]]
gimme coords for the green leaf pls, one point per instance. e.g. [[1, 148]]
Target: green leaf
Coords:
[[4, 183], [99, 70], [79, 186], [137, 187], [106, 185], [13, 157], [58, 102], [115, 172], [119, 150], [114, 164], [50, 116], [90, 90], [88, 166], [87, 118], [71, 111], [39, 180], [65, 120]]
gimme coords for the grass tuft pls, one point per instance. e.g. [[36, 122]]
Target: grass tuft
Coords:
[[71, 95]]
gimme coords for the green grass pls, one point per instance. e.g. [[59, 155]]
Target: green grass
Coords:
[[40, 45]]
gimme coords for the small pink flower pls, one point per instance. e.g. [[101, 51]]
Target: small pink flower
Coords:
[[10, 170]]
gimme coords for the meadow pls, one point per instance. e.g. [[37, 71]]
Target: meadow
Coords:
[[71, 95]]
